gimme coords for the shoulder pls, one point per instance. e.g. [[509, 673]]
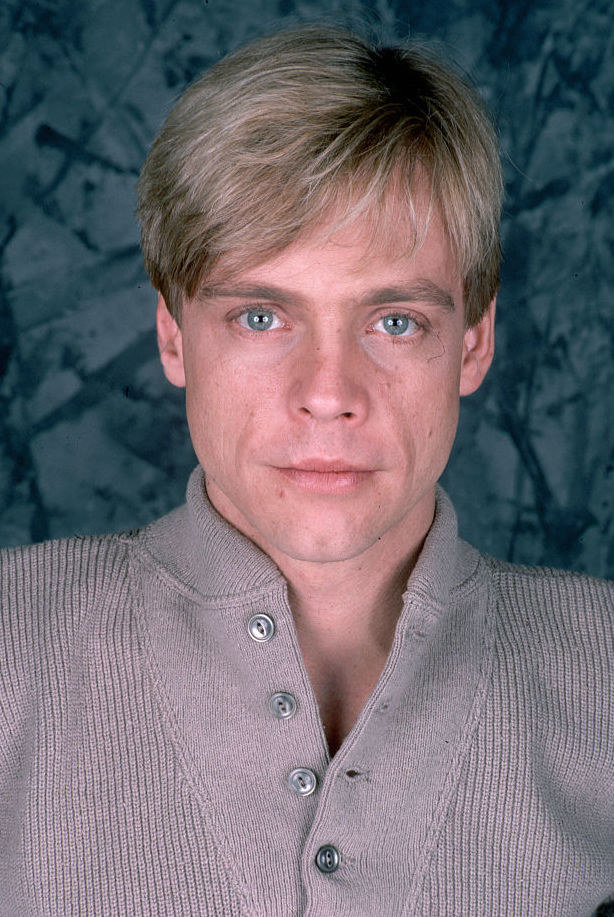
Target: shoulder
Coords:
[[560, 593], [551, 687], [47, 590], [554, 626], [62, 571]]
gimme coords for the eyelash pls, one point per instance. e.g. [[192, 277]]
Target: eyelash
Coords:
[[419, 324]]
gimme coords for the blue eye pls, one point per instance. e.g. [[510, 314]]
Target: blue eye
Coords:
[[398, 325], [257, 319]]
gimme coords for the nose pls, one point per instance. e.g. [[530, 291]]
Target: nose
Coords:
[[329, 383]]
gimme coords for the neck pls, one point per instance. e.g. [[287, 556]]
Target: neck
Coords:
[[345, 611], [345, 615], [341, 608]]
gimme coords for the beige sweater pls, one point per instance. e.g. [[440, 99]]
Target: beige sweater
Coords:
[[143, 770]]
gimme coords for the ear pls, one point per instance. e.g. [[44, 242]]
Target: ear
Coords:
[[478, 351], [170, 345]]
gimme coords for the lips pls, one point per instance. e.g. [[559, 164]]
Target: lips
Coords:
[[327, 466], [327, 476]]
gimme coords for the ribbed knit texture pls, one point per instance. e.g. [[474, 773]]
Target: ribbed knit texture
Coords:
[[143, 773]]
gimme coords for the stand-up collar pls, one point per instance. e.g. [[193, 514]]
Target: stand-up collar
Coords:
[[445, 561], [197, 546], [205, 552]]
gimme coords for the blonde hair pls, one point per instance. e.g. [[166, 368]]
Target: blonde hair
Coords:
[[309, 121]]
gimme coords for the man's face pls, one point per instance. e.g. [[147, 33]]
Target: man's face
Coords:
[[329, 354]]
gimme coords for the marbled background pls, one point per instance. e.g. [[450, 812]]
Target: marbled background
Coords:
[[93, 439]]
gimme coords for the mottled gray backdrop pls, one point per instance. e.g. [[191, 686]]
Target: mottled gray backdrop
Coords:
[[92, 438]]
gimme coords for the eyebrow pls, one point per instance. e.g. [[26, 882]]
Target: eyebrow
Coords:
[[418, 291], [240, 290]]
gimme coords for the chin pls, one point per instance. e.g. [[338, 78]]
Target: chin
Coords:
[[321, 550], [327, 538]]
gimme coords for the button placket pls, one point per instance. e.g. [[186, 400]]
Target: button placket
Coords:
[[302, 780]]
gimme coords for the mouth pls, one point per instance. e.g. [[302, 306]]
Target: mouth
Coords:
[[328, 466], [327, 477]]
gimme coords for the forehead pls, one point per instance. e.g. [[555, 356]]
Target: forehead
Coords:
[[378, 245]]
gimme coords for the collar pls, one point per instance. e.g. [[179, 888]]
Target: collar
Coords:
[[196, 546]]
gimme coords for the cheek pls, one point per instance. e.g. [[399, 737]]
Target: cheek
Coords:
[[209, 404], [228, 405], [426, 388], [424, 405]]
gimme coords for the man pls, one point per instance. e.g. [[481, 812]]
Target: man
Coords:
[[300, 693]]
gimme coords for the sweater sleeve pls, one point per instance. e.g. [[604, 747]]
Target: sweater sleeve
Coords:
[[46, 591], [557, 630], [17, 648], [18, 714]]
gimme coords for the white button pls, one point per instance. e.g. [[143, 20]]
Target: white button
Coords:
[[283, 705], [261, 628], [302, 781]]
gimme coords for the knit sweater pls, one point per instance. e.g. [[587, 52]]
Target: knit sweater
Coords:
[[143, 770]]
